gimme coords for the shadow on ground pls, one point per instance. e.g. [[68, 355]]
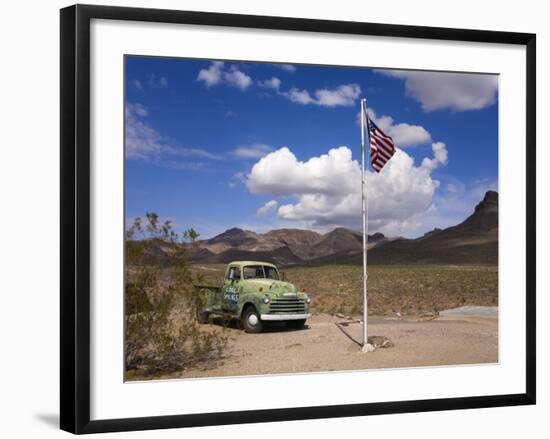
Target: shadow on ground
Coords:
[[267, 326]]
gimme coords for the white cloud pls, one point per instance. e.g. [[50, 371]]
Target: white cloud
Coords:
[[273, 83], [238, 79], [440, 157], [456, 91], [239, 177], [217, 74], [157, 82], [143, 142], [343, 95], [299, 96], [183, 165], [280, 173], [193, 152], [253, 151], [287, 67], [212, 75], [267, 208], [153, 82], [138, 109], [454, 188], [403, 134], [327, 189]]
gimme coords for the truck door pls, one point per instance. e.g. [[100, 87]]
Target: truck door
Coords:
[[230, 290]]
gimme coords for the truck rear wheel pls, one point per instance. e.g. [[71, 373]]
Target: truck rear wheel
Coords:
[[296, 324], [251, 320], [202, 316]]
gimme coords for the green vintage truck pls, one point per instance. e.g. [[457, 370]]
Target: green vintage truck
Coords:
[[253, 293]]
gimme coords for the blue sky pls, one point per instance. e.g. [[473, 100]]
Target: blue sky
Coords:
[[215, 145]]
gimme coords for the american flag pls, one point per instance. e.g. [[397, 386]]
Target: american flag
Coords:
[[382, 147]]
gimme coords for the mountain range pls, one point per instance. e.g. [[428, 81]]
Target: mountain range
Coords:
[[472, 242]]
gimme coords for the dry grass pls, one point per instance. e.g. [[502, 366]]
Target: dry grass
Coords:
[[405, 289]]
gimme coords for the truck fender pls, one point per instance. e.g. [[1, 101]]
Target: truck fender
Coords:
[[249, 299]]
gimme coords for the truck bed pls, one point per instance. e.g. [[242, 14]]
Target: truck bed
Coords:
[[207, 287]]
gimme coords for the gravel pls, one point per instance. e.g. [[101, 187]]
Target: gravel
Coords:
[[322, 346]]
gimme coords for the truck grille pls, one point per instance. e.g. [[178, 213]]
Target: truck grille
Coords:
[[287, 305]]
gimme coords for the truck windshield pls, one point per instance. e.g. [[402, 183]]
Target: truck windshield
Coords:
[[261, 272]]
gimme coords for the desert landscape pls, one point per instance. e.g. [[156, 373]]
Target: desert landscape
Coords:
[[433, 300], [473, 242]]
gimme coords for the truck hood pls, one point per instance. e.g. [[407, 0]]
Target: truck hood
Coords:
[[273, 286]]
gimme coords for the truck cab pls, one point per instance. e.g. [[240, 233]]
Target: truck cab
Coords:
[[254, 293]]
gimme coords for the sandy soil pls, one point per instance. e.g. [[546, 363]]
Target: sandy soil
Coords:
[[329, 343]]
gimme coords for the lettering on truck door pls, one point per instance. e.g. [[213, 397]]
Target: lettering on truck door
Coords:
[[230, 291]]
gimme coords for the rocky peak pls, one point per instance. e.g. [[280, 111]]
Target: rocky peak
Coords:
[[489, 202], [233, 236], [375, 237]]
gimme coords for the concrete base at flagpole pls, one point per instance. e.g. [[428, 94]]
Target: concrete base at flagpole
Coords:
[[367, 348]]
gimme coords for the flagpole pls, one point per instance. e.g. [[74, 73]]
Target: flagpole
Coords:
[[365, 221]]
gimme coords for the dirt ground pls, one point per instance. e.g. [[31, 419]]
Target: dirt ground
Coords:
[[329, 343]]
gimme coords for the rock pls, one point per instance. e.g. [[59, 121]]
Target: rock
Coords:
[[379, 341], [339, 315], [368, 348]]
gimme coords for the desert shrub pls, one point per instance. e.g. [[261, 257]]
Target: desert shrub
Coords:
[[410, 289], [162, 334]]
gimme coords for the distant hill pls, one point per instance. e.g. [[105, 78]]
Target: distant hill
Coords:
[[283, 246], [282, 256], [300, 242], [472, 242]]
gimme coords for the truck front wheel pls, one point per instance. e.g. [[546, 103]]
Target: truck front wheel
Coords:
[[251, 320]]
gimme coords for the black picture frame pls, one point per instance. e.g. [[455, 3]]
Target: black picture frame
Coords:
[[75, 217]]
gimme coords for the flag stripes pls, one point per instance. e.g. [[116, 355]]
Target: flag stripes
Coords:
[[382, 147]]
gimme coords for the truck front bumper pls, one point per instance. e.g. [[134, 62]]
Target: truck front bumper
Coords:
[[279, 317]]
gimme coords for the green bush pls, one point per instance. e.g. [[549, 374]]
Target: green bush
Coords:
[[162, 334]]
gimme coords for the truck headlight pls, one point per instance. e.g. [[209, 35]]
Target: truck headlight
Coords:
[[266, 299], [308, 300]]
